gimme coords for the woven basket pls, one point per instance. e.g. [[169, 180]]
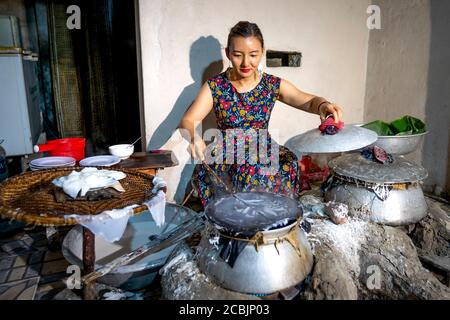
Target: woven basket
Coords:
[[29, 197]]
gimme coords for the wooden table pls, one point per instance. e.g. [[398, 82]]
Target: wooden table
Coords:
[[150, 162]]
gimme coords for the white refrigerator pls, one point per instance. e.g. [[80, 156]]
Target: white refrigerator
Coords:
[[20, 116]]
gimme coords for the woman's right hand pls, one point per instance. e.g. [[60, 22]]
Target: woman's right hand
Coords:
[[198, 148]]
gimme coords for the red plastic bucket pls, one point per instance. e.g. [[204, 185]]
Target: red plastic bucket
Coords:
[[68, 147]]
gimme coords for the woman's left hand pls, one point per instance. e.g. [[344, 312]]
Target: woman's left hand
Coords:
[[329, 108]]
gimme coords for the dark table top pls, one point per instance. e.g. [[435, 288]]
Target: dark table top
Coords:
[[150, 160]]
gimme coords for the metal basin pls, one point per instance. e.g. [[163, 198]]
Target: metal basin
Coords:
[[402, 207], [399, 145], [141, 272], [270, 269]]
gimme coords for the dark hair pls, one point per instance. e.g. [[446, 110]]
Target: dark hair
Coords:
[[245, 29]]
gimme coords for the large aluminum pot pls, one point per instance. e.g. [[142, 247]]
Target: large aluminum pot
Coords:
[[384, 193], [267, 270], [401, 207]]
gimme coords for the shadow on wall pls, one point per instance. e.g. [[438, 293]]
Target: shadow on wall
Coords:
[[436, 155], [205, 61]]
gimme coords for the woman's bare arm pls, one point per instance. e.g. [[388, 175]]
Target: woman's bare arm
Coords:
[[194, 116], [292, 96], [198, 110]]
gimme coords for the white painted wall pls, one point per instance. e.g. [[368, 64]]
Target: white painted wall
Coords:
[[182, 39], [409, 73]]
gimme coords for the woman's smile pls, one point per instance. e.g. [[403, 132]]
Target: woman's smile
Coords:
[[245, 54]]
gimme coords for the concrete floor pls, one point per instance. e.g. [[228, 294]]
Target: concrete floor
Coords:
[[30, 269], [33, 267]]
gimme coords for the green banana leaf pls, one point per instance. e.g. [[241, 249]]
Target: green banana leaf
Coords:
[[417, 125], [380, 127], [404, 126], [407, 125]]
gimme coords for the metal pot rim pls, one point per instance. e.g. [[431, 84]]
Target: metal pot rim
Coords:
[[355, 181], [268, 234], [404, 136]]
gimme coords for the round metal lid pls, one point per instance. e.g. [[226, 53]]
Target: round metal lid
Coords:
[[349, 138], [356, 166]]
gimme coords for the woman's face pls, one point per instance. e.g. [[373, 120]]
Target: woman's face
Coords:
[[245, 55]]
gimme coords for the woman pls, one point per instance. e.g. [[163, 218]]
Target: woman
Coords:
[[243, 97]]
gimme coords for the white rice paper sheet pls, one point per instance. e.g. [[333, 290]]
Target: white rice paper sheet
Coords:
[[111, 224]]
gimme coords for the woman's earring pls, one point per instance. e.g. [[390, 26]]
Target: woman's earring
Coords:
[[229, 64], [260, 68]]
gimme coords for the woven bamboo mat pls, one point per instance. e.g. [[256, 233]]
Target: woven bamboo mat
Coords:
[[29, 197]]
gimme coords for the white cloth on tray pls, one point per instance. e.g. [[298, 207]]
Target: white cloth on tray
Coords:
[[109, 224], [157, 207]]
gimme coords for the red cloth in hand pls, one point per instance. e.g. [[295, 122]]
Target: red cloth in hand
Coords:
[[330, 127]]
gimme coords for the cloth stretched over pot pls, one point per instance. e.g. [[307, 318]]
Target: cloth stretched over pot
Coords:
[[380, 190], [231, 247], [240, 219], [246, 213]]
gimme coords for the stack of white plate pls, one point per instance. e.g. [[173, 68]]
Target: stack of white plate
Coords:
[[51, 162]]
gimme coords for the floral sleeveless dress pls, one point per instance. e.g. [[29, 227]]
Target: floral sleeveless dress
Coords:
[[247, 112]]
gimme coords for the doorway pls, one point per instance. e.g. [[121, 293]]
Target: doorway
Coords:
[[94, 77]]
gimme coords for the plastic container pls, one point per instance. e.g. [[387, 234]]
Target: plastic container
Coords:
[[68, 147]]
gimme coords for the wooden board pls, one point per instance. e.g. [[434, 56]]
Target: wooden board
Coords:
[[147, 160]]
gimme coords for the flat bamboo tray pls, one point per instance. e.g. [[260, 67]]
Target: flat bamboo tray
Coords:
[[29, 197]]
